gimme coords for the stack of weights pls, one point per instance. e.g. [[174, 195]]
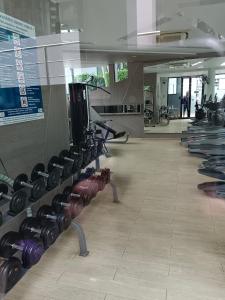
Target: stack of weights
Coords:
[[91, 184]]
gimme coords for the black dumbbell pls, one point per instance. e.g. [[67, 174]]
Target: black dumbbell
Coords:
[[52, 177], [17, 202], [66, 169], [63, 220], [66, 158], [31, 249], [64, 203], [10, 273], [37, 187], [47, 231], [78, 156]]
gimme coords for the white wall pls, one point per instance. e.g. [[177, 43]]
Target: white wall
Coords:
[[146, 20], [103, 21]]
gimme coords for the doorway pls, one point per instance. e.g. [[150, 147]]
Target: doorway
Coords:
[[183, 93]]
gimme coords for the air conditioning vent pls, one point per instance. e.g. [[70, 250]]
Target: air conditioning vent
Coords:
[[169, 37]]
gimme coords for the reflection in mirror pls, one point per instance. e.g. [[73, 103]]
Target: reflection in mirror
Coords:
[[181, 88]]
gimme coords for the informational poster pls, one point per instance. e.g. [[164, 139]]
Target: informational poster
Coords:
[[20, 91]]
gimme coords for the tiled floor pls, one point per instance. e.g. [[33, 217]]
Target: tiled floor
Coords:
[[164, 241], [175, 126]]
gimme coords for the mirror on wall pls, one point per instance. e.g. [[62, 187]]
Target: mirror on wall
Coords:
[[179, 87]]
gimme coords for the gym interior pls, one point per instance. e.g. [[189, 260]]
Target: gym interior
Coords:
[[112, 157]]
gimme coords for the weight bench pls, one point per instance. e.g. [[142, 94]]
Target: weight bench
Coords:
[[110, 136]]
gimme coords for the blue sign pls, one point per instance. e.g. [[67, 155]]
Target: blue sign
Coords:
[[20, 90]]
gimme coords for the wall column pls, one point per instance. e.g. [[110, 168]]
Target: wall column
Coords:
[[211, 85]]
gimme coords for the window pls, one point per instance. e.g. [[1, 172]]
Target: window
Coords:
[[121, 71], [220, 86], [100, 73], [172, 89]]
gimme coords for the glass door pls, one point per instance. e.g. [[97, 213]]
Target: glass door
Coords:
[[174, 96], [185, 100], [196, 93]]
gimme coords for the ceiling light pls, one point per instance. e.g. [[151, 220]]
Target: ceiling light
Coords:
[[223, 64], [197, 63], [156, 32]]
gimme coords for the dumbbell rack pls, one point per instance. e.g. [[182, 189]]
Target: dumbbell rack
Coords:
[[11, 223]]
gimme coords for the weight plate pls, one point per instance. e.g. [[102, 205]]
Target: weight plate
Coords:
[[6, 242], [53, 179], [57, 203], [17, 182], [39, 189], [64, 153], [18, 202], [67, 171], [10, 273], [53, 160], [78, 162], [4, 189], [76, 209], [27, 225], [32, 252], [38, 168], [66, 220], [67, 191], [49, 232], [45, 210]]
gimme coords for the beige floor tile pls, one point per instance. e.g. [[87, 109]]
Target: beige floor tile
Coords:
[[163, 241], [111, 297]]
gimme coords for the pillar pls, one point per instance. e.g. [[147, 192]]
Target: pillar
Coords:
[[211, 85]]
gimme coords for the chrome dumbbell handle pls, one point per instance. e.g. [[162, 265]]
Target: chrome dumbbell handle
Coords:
[[35, 230], [17, 247], [65, 204], [69, 159], [26, 184], [6, 197], [51, 217], [58, 166], [45, 175]]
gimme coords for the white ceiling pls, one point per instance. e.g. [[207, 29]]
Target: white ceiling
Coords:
[[104, 22], [188, 65]]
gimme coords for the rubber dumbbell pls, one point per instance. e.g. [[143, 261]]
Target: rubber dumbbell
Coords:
[[100, 181], [17, 202], [31, 250], [106, 175], [63, 220], [46, 230], [65, 167], [70, 193], [75, 199], [78, 157], [85, 190], [52, 177], [62, 203], [37, 187], [10, 273]]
